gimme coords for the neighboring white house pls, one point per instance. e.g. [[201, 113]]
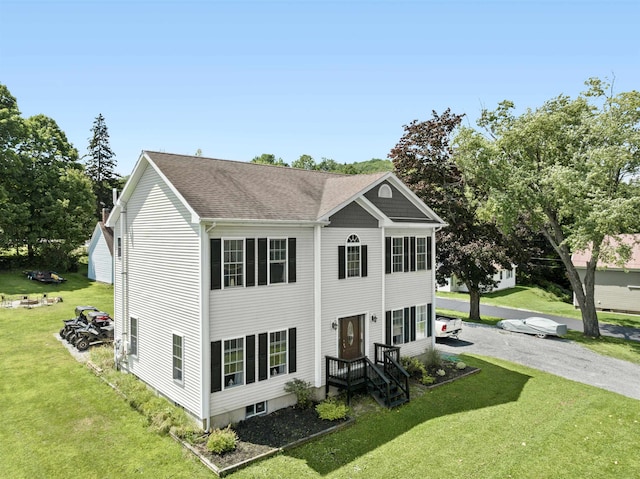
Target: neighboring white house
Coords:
[[233, 278], [617, 287], [506, 278], [100, 253]]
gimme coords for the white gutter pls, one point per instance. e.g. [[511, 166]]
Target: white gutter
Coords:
[[317, 302]]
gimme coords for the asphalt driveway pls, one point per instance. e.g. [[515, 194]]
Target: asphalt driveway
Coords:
[[554, 355]]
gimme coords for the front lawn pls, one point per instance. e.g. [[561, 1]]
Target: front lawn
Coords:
[[60, 420]]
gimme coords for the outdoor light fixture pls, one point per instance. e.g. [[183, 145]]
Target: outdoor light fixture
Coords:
[[374, 318], [334, 325]]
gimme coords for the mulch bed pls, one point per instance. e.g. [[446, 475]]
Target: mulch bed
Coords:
[[261, 436]]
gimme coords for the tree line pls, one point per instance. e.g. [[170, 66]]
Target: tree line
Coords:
[[49, 199]]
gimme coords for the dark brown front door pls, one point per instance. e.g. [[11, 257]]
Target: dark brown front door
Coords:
[[351, 337]]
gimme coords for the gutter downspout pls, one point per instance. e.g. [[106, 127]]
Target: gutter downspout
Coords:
[[317, 303], [124, 266], [433, 284], [205, 323]]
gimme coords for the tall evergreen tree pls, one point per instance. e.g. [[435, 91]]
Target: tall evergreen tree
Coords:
[[100, 165]]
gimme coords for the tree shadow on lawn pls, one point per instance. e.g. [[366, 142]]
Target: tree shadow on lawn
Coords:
[[493, 386]]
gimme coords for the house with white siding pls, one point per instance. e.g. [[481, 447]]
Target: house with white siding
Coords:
[[232, 279], [100, 253], [617, 286], [504, 278]]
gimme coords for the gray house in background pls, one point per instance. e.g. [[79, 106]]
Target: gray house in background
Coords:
[[617, 288], [100, 253], [233, 278]]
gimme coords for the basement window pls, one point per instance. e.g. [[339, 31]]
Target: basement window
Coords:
[[256, 409]]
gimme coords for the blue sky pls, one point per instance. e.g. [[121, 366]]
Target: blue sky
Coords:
[[334, 79]]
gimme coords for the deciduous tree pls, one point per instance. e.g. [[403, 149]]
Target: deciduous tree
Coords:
[[570, 169], [469, 248]]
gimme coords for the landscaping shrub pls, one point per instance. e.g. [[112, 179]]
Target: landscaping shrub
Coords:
[[222, 440], [414, 367], [461, 365], [432, 358], [302, 390], [332, 410]]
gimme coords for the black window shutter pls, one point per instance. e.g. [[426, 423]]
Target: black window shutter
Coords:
[[292, 260], [387, 328], [429, 259], [412, 252], [263, 358], [413, 323], [292, 350], [429, 320], [341, 262], [251, 262], [405, 251], [407, 326], [216, 263], [364, 261], [387, 256], [216, 366], [262, 261], [250, 354]]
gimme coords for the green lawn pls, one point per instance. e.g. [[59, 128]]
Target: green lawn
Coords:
[[538, 300], [60, 421]]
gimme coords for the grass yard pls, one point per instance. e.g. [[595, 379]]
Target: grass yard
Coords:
[[536, 299], [60, 421]]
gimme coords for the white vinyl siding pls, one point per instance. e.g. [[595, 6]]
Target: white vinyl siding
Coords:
[[164, 269], [100, 259], [241, 312]]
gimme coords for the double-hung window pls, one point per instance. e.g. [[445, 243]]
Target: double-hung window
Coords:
[[278, 352], [233, 262], [397, 254], [353, 256], [233, 362], [421, 321], [421, 253], [397, 318], [178, 358], [277, 261], [133, 333]]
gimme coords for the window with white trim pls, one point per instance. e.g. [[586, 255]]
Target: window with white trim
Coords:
[[397, 318], [233, 262], [421, 321], [278, 352], [277, 261], [233, 362], [353, 256], [397, 254], [133, 336], [421, 253], [256, 409], [178, 358]]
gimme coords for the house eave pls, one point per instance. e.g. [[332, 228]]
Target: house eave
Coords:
[[261, 222]]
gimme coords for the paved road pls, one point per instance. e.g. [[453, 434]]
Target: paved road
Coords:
[[554, 355], [507, 313]]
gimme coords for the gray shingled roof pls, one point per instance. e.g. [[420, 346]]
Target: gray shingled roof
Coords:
[[224, 189]]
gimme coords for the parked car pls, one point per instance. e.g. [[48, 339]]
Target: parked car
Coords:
[[540, 327], [448, 326], [45, 276]]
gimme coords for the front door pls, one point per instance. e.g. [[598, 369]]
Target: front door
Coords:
[[351, 337]]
